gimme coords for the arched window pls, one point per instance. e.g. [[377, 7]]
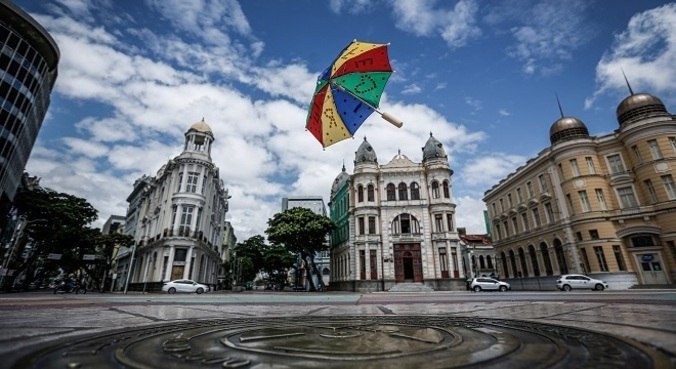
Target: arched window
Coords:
[[522, 259], [403, 191], [560, 257], [482, 263], [534, 260], [489, 262], [435, 190], [415, 191], [512, 261], [405, 224], [370, 190], [504, 264], [447, 192], [545, 258], [391, 192], [360, 193]]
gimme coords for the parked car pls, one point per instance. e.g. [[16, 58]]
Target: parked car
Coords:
[[568, 282], [184, 285], [489, 284]]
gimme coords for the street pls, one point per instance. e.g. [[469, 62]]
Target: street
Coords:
[[37, 319]]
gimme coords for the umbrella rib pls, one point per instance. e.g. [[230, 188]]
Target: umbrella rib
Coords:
[[355, 96]]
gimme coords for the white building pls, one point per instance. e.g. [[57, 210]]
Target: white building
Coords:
[[177, 217], [395, 223]]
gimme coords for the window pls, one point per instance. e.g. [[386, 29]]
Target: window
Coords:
[[443, 260], [495, 211], [543, 183], [637, 154], [372, 225], [615, 164], [180, 254], [654, 149], [561, 171], [405, 224], [584, 201], [593, 234], [180, 180], [497, 231], [447, 191], [529, 186], [601, 258], [570, 203], [668, 181], [506, 229], [536, 217], [204, 183], [191, 186], [574, 167], [590, 165], [519, 196], [360, 193], [619, 258], [651, 190], [524, 221], [403, 191], [435, 190], [391, 192], [449, 222], [549, 212], [642, 241], [672, 142], [415, 191], [515, 225], [578, 236], [601, 199], [627, 198], [502, 206], [370, 193], [509, 200], [439, 222], [360, 225], [585, 259]]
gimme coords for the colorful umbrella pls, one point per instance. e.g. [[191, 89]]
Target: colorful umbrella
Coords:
[[348, 92]]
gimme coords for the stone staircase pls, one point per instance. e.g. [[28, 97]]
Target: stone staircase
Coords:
[[410, 287]]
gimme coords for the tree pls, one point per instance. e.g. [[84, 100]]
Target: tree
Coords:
[[249, 257], [276, 262], [303, 232]]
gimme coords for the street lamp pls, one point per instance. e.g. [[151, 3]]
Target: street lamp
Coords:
[[129, 270]]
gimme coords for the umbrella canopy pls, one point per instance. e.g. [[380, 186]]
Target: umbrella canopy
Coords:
[[348, 91]]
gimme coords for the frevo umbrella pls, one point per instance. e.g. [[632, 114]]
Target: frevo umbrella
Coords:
[[348, 92]]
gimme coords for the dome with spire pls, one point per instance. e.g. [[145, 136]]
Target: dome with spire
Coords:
[[201, 126], [338, 182], [365, 153], [433, 149], [638, 106], [567, 128]]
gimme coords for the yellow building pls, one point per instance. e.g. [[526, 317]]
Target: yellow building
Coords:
[[603, 206]]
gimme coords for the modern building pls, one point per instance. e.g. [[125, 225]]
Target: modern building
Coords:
[[599, 205], [395, 223], [28, 68], [316, 204], [114, 224], [177, 218]]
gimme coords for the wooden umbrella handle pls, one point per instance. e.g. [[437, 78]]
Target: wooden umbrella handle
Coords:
[[392, 119]]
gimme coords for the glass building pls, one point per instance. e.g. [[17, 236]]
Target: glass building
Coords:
[[28, 68]]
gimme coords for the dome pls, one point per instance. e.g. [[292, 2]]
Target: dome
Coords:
[[201, 126], [641, 105], [433, 149], [567, 128], [340, 179], [365, 153]]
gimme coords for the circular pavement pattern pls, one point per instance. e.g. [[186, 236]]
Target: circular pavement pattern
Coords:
[[348, 342]]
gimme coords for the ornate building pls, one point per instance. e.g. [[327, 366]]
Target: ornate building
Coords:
[[177, 217], [395, 223], [599, 205], [28, 68]]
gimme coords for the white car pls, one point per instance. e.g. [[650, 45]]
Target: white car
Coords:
[[184, 285], [489, 284], [568, 282]]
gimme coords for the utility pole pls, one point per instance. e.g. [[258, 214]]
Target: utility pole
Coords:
[[131, 264]]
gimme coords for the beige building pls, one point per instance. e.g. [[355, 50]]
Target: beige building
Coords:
[[599, 205]]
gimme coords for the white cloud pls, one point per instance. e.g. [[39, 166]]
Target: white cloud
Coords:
[[504, 112], [475, 104], [411, 89], [488, 170], [351, 6], [456, 26], [646, 51], [469, 212]]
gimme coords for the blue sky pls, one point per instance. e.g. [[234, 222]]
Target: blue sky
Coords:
[[480, 75]]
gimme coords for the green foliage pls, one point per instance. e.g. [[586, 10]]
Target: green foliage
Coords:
[[276, 263], [300, 230], [253, 249]]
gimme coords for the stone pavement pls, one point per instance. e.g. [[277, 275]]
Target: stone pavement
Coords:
[[643, 320]]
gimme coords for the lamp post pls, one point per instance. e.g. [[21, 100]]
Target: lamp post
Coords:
[[129, 270]]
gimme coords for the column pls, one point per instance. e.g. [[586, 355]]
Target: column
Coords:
[[188, 259]]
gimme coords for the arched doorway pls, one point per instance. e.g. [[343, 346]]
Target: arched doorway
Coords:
[[407, 263], [560, 256], [408, 266]]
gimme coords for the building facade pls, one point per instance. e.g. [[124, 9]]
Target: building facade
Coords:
[[395, 223], [177, 218], [478, 254], [598, 205], [28, 68]]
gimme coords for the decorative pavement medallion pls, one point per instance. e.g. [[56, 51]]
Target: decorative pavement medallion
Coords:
[[348, 342]]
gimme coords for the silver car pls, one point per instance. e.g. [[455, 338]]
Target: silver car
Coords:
[[489, 284], [184, 285], [568, 282]]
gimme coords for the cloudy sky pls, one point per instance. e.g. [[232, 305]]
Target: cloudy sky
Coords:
[[481, 76]]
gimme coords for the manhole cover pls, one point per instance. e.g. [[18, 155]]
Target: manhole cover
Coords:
[[349, 342]]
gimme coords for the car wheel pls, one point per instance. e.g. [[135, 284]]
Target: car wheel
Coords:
[[477, 288], [598, 287], [200, 290], [172, 291], [566, 288], [503, 288]]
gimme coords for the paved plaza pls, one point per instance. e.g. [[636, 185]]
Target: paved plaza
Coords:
[[512, 329]]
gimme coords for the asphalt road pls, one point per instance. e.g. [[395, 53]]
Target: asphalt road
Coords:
[[33, 319]]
